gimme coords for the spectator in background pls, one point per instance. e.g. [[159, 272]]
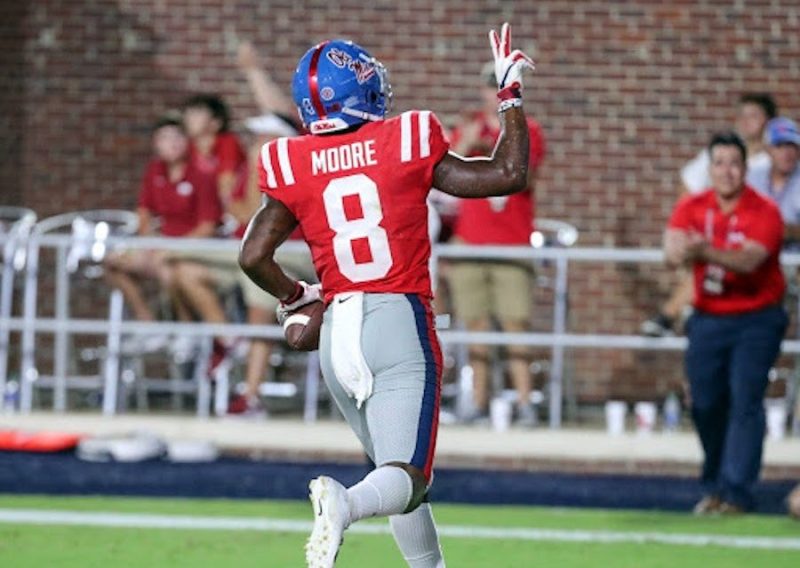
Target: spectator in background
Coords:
[[214, 149], [754, 110], [730, 236], [270, 98], [492, 289], [217, 152], [178, 197], [201, 282], [779, 179], [279, 118]]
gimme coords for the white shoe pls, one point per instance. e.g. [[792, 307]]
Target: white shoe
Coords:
[[331, 518], [183, 347], [141, 344], [153, 343]]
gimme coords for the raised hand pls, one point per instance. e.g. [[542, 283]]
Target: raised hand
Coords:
[[508, 66], [247, 56]]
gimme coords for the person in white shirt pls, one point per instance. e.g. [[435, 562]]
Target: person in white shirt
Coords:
[[754, 111]]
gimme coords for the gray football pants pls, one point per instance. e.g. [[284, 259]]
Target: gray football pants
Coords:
[[399, 421]]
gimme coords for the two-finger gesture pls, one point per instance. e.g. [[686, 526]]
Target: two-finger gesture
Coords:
[[508, 64]]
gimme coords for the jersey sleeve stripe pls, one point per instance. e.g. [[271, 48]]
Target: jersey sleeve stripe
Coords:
[[424, 134], [267, 163], [405, 137], [285, 163]]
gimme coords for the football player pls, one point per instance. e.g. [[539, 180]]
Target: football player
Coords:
[[357, 186]]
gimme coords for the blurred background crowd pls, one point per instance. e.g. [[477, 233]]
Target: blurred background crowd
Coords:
[[160, 108]]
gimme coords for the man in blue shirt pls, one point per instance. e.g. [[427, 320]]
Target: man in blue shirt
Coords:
[[780, 179]]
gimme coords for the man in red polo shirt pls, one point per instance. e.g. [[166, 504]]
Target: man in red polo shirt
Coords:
[[731, 237], [491, 289], [184, 202]]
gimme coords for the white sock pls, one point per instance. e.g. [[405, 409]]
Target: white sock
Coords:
[[416, 536], [385, 491]]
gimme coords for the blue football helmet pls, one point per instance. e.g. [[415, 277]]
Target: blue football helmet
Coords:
[[337, 84]]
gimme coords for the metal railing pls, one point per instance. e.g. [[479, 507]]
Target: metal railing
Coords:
[[16, 224], [557, 340]]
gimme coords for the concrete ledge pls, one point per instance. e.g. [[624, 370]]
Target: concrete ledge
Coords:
[[568, 450]]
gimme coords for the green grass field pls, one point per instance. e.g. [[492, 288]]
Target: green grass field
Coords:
[[41, 544]]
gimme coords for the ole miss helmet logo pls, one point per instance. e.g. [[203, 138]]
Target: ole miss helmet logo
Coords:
[[363, 70]]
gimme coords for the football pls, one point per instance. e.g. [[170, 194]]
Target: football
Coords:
[[301, 327]]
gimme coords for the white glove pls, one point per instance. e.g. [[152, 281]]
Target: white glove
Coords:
[[508, 66], [306, 293]]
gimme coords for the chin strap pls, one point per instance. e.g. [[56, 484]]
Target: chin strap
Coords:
[[361, 114]]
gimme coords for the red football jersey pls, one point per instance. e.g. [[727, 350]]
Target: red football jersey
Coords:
[[756, 218], [360, 200]]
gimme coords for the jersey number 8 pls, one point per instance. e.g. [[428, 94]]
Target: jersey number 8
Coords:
[[349, 230]]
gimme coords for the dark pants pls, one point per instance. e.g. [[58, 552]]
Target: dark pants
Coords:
[[727, 362]]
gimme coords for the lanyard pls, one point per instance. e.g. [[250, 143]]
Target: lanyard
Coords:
[[709, 227]]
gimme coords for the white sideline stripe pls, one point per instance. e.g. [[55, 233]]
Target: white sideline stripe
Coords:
[[146, 521]]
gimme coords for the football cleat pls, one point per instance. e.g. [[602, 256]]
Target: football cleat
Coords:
[[338, 84], [331, 518]]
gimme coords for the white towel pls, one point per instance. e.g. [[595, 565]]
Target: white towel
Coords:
[[348, 361]]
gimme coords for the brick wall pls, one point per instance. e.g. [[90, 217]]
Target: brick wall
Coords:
[[626, 92], [12, 72]]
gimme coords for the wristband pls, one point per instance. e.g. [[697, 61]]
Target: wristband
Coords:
[[296, 295], [513, 91], [509, 103], [509, 97]]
